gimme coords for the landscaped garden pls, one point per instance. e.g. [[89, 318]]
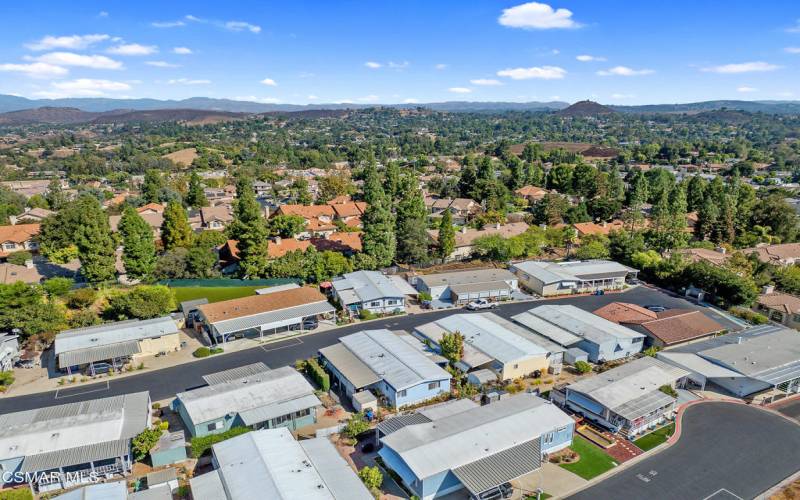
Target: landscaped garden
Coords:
[[655, 438], [592, 460]]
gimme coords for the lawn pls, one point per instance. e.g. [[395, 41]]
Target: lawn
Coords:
[[593, 461], [655, 438], [213, 293]]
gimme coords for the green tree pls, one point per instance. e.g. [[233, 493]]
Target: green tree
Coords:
[[593, 247], [19, 258], [371, 477], [58, 286], [152, 185], [707, 219], [138, 245], [175, 230], [695, 193], [141, 302], [378, 239], [452, 346], [56, 198], [93, 239], [144, 442], [249, 229], [560, 178], [447, 235], [25, 307], [286, 226], [410, 224], [195, 196], [585, 180]]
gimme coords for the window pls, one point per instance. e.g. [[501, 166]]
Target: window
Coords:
[[302, 413], [9, 246], [433, 385], [401, 394], [375, 303], [548, 438], [516, 366], [561, 429], [214, 426], [277, 421]]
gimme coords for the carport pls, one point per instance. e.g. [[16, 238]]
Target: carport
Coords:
[[484, 477]]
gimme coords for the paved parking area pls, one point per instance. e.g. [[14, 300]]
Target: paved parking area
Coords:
[[726, 451], [790, 409]]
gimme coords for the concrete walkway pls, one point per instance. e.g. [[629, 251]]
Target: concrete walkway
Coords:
[[552, 479]]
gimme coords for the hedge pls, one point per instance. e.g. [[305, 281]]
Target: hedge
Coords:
[[318, 375], [202, 444], [749, 315]]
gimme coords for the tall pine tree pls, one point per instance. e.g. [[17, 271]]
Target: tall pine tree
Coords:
[[249, 229], [410, 226], [195, 196], [94, 241], [447, 235], [138, 246], [175, 230], [378, 239]]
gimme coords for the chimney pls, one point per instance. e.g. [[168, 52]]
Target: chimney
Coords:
[[29, 263], [497, 225], [767, 289], [463, 229]]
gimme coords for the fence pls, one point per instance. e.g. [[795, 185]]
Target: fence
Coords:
[[223, 282]]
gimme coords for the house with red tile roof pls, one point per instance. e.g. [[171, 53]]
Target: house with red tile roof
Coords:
[[780, 307], [18, 238]]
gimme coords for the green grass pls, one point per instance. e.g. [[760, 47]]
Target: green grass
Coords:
[[593, 461], [213, 294], [655, 438]]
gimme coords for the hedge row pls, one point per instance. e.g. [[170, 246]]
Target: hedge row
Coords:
[[318, 375], [201, 445]]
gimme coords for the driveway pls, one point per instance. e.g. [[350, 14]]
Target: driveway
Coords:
[[726, 451], [166, 382]]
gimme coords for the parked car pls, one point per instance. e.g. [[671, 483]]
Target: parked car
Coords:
[[655, 308], [99, 369], [310, 324], [477, 305]]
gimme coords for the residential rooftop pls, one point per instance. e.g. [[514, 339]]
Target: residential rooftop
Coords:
[[367, 286], [568, 324], [586, 270], [469, 277]]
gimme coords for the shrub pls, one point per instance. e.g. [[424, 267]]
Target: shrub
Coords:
[[56, 287], [83, 318], [81, 298], [164, 425], [318, 374], [22, 493], [144, 442], [371, 476], [200, 445], [202, 352], [425, 296], [6, 378], [749, 315], [19, 258], [355, 426], [668, 390], [366, 314], [143, 302], [583, 367]]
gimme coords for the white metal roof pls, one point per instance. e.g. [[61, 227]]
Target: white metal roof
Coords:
[[403, 285], [118, 490], [623, 384], [468, 436], [274, 319], [696, 364], [583, 324], [546, 329], [277, 288], [368, 285], [489, 336], [473, 276], [260, 392], [271, 464], [554, 272], [66, 427], [393, 359], [113, 333]]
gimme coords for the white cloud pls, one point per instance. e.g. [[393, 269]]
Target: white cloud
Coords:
[[746, 67], [795, 28], [242, 26], [82, 60], [441, 66], [188, 81], [311, 97], [182, 51], [624, 71], [459, 90], [368, 98], [270, 82], [488, 82], [167, 24], [262, 100], [622, 96], [162, 64], [84, 87], [792, 50], [373, 64], [537, 16], [745, 88], [588, 58], [36, 70], [133, 49], [410, 100], [537, 72], [102, 13], [50, 42], [400, 65], [194, 19]]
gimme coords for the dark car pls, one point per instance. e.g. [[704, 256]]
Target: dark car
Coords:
[[656, 308]]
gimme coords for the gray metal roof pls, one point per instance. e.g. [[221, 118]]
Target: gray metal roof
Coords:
[[61, 429], [117, 490], [270, 464], [187, 306], [627, 386], [426, 414], [264, 413], [352, 368], [473, 276], [391, 358], [579, 323], [468, 436], [394, 424], [277, 288], [99, 353], [273, 319], [208, 486], [488, 286], [158, 493], [368, 285], [162, 476], [113, 333], [249, 396], [235, 373], [75, 456], [554, 272], [547, 329], [502, 467], [643, 405]]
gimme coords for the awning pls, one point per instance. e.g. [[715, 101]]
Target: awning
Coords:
[[75, 456], [643, 405], [273, 319], [264, 413], [492, 471], [99, 353]]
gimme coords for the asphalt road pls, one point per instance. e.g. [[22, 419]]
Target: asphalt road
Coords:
[[791, 410], [167, 382], [726, 451]]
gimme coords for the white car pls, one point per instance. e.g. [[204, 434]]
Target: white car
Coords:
[[477, 305]]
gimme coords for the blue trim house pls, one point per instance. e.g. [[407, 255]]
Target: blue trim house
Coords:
[[251, 396], [381, 361], [372, 291], [477, 448]]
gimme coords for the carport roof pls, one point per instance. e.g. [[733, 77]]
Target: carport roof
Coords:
[[276, 316], [696, 364], [352, 368], [494, 470], [99, 353], [489, 286]]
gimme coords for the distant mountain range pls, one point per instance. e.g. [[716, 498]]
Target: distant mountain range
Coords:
[[15, 110]]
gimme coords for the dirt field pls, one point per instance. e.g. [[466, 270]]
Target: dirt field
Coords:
[[183, 157]]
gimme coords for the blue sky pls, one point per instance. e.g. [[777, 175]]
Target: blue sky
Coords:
[[612, 51]]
